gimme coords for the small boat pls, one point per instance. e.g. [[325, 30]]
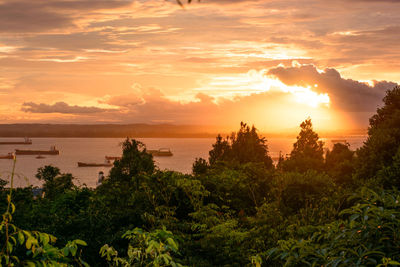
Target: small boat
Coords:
[[52, 151], [162, 152], [8, 156], [40, 157], [112, 158], [83, 164], [26, 142]]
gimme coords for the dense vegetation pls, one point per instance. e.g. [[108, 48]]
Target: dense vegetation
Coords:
[[314, 208]]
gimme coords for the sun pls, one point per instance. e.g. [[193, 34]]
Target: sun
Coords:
[[254, 82]]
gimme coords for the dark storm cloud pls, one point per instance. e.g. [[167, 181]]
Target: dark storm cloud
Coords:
[[345, 94], [60, 107]]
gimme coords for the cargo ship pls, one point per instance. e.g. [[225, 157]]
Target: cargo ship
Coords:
[[52, 151], [27, 141], [83, 164], [112, 158], [162, 152]]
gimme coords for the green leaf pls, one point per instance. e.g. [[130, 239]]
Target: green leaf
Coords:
[[28, 243], [80, 242], [21, 238], [354, 216]]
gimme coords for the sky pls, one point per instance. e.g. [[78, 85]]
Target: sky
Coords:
[[216, 62]]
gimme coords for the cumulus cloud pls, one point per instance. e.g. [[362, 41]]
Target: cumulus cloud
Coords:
[[261, 109], [345, 94], [60, 107]]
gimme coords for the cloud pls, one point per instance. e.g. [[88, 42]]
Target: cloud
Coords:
[[43, 15], [260, 109], [345, 94], [61, 60], [60, 107]]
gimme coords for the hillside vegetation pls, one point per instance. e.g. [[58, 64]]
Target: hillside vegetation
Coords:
[[339, 208]]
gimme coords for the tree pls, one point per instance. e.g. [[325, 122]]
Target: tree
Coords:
[[55, 183], [390, 175], [156, 248], [307, 153], [339, 163], [242, 147], [200, 166], [221, 150], [383, 138], [47, 173], [135, 160]]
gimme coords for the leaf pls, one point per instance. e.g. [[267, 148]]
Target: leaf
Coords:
[[12, 208], [21, 238], [354, 217], [9, 247], [28, 243], [80, 242]]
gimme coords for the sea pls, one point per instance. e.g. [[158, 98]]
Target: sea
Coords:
[[94, 150]]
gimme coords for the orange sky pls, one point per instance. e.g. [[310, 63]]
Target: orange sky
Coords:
[[271, 63]]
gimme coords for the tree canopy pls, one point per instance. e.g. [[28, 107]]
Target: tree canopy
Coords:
[[383, 138], [241, 147], [307, 153]]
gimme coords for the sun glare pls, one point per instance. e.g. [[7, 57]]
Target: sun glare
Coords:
[[259, 82]]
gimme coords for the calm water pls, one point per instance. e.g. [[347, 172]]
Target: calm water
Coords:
[[91, 150]]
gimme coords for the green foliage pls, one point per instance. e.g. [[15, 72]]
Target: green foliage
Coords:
[[47, 173], [242, 147], [235, 210], [383, 138], [200, 166], [156, 248], [301, 190], [367, 234], [38, 247], [135, 160], [243, 187], [307, 153], [55, 183], [390, 175], [339, 163]]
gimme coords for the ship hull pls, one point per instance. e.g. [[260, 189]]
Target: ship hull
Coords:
[[82, 164], [37, 152], [157, 153], [112, 158]]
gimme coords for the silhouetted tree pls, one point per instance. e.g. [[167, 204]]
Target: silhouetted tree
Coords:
[[134, 160], [339, 163], [55, 183], [383, 140], [47, 173], [200, 166], [221, 150], [307, 153], [242, 147]]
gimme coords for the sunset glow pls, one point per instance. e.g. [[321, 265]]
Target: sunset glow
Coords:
[[153, 61]]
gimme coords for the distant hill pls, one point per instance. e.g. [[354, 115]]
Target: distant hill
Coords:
[[137, 130], [103, 130]]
